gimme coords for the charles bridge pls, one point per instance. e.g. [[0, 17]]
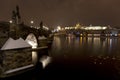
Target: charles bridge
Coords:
[[21, 46]]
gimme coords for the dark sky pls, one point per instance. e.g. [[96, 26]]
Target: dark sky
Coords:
[[64, 12]]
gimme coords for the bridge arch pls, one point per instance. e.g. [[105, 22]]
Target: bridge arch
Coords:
[[32, 39]]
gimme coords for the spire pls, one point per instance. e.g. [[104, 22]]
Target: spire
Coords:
[[41, 25], [18, 17], [17, 12]]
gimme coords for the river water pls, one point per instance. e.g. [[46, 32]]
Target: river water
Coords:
[[83, 58]]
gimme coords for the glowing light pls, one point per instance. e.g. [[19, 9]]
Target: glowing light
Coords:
[[59, 28], [75, 27], [45, 61], [34, 57], [31, 22], [11, 21], [95, 28], [104, 27], [116, 35], [33, 44], [66, 27]]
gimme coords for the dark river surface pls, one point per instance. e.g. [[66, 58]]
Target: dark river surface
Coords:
[[82, 58]]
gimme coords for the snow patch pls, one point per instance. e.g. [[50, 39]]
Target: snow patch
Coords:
[[42, 37], [15, 44]]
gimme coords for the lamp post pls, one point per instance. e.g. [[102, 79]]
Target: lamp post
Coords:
[[32, 22]]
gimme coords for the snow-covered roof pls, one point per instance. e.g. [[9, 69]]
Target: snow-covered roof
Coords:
[[50, 35], [15, 44], [42, 37]]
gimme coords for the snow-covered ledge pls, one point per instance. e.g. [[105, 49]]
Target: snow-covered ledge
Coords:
[[15, 44]]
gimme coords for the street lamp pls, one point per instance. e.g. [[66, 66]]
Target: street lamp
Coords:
[[11, 21], [31, 22]]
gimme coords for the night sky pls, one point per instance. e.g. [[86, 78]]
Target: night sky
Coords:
[[64, 12]]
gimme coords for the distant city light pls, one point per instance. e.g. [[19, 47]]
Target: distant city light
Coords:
[[104, 27], [87, 27], [59, 28], [95, 28]]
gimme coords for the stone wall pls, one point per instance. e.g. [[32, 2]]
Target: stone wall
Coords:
[[13, 59]]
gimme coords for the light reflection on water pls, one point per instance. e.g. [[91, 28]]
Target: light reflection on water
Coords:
[[98, 51], [92, 44], [45, 60], [34, 57]]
